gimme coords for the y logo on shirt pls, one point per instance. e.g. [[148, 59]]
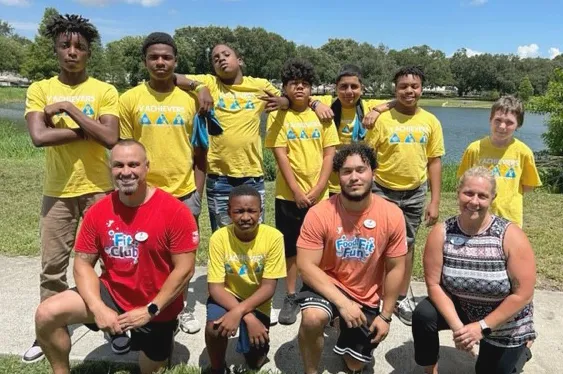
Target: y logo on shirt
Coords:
[[354, 248]]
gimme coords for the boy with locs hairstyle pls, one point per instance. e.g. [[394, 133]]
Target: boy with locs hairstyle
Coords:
[[409, 145], [161, 116], [75, 117], [304, 148], [511, 161]]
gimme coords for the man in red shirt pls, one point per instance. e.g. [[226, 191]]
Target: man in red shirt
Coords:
[[147, 240], [351, 246]]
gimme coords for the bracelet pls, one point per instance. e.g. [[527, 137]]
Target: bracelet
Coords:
[[315, 104], [386, 319], [199, 87]]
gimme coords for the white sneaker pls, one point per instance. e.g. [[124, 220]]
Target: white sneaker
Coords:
[[188, 323], [274, 316], [33, 354]]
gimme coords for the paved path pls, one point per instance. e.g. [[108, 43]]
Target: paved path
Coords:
[[19, 292]]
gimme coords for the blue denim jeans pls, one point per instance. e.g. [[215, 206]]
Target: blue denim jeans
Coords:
[[218, 188]]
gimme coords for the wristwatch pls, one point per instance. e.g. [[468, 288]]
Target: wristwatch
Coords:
[[153, 309], [485, 329]]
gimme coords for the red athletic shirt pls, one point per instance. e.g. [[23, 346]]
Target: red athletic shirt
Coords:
[[136, 244]]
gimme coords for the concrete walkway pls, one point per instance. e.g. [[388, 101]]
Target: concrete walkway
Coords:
[[19, 292]]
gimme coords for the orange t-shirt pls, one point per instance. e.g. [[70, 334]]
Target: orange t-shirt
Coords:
[[354, 260]]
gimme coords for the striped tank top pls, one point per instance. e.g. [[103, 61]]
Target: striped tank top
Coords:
[[474, 274]]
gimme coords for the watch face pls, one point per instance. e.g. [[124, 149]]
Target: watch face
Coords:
[[486, 331], [153, 309]]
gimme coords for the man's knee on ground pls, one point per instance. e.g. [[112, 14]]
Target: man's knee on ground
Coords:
[[313, 320], [212, 332], [352, 364]]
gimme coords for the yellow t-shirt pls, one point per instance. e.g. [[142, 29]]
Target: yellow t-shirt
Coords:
[[513, 166], [80, 167], [403, 145], [237, 152], [345, 130], [242, 265], [163, 123], [305, 138]]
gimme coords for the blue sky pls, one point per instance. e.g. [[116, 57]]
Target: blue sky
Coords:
[[521, 27]]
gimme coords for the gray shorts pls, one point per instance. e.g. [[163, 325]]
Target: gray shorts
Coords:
[[411, 203], [192, 201]]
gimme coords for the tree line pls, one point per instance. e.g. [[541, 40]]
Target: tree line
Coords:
[[264, 53]]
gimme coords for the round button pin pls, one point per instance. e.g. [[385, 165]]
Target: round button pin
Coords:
[[457, 240], [369, 223], [141, 236]]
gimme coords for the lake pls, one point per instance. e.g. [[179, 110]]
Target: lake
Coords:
[[461, 126]]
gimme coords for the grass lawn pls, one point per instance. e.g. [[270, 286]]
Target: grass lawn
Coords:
[[12, 94], [455, 102]]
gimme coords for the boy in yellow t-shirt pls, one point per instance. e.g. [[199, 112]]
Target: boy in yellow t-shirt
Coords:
[[511, 161], [353, 116], [75, 117], [304, 148], [235, 156], [160, 116], [409, 145], [246, 259]]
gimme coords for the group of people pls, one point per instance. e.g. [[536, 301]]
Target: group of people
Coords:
[[351, 188]]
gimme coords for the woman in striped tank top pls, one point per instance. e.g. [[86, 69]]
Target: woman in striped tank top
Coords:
[[480, 273]]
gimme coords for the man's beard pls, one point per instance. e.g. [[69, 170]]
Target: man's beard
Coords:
[[355, 197], [128, 190]]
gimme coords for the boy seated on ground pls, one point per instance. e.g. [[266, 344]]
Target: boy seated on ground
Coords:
[[246, 259]]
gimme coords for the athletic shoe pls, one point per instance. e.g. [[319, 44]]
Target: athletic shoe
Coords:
[[404, 309], [33, 354], [289, 310], [120, 344], [188, 323]]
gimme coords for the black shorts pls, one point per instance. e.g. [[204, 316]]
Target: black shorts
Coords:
[[356, 341], [289, 219], [154, 339]]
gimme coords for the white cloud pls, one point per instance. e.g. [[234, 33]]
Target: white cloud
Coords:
[[530, 50], [470, 52], [24, 26], [477, 2], [15, 2], [553, 52], [145, 3]]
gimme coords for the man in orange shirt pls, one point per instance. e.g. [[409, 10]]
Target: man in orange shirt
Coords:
[[351, 247]]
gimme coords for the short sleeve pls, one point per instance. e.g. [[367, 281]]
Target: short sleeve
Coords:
[[467, 161], [276, 135], [35, 100], [87, 240], [216, 262], [373, 135], [183, 235], [126, 120], [206, 79], [530, 175], [370, 104], [435, 147], [274, 268], [109, 103], [397, 244], [330, 133], [312, 234], [269, 87]]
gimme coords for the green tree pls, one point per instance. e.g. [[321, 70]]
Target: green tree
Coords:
[[326, 66], [433, 62], [40, 61], [525, 90], [552, 103]]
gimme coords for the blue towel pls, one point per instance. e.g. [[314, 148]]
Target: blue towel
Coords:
[[359, 132], [205, 125], [243, 344]]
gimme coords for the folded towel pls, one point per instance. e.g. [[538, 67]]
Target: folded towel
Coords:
[[205, 125]]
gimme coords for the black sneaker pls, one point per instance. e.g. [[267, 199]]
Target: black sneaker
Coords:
[[33, 354], [289, 310], [120, 344]]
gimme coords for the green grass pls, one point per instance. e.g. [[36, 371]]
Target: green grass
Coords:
[[455, 102], [21, 179], [13, 365], [12, 94]]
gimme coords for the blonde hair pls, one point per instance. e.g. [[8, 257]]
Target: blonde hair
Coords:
[[480, 172]]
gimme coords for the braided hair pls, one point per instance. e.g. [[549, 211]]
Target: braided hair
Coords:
[[69, 24]]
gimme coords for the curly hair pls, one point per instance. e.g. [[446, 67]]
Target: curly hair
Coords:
[[415, 71], [69, 24], [296, 69], [159, 38], [364, 151]]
